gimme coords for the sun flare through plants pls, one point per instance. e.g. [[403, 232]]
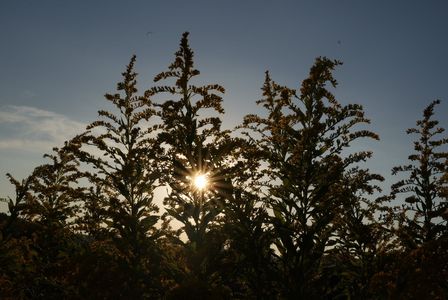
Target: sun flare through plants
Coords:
[[200, 181]]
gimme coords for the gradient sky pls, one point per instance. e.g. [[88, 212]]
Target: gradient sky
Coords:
[[58, 58]]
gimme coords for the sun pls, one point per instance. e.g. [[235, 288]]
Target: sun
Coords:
[[200, 181]]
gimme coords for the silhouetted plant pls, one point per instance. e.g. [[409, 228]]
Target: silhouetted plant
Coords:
[[40, 232], [194, 145], [122, 150], [421, 217], [18, 204], [302, 142], [248, 266], [362, 239], [49, 195], [126, 170]]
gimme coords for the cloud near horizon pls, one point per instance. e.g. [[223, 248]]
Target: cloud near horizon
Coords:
[[33, 129]]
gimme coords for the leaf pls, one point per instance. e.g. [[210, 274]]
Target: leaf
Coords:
[[148, 222]]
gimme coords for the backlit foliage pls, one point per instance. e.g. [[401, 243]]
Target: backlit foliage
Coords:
[[289, 210], [423, 216], [302, 143]]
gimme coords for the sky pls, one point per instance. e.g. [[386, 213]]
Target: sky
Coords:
[[58, 59]]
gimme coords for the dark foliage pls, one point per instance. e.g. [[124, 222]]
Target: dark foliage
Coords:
[[288, 209], [422, 218]]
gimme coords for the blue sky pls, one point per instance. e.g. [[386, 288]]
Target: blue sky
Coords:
[[58, 58]]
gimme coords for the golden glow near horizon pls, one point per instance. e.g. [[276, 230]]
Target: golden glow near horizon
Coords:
[[200, 181]]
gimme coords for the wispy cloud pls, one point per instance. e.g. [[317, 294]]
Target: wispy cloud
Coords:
[[33, 129]]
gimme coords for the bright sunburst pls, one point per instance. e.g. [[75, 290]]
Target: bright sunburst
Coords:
[[200, 181]]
